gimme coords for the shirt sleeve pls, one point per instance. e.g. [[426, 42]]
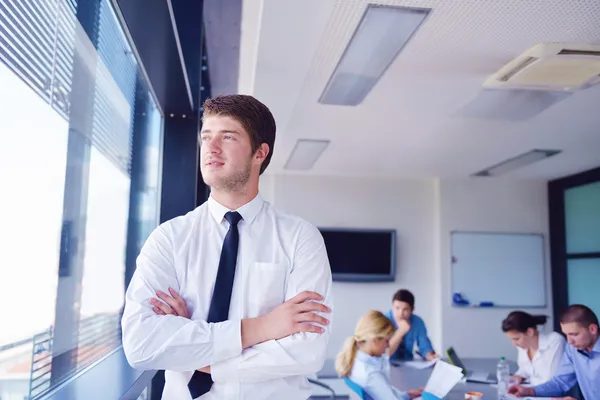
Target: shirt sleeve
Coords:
[[170, 342], [378, 387], [423, 341], [522, 364], [555, 356], [298, 354], [563, 380]]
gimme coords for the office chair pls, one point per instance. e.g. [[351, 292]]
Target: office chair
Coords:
[[357, 389], [324, 386]]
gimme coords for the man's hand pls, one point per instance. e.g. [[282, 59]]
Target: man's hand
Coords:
[[396, 339], [296, 315], [564, 398], [173, 305], [430, 356], [403, 326], [521, 391], [414, 393]]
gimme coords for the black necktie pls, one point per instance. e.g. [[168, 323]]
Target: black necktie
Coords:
[[221, 298]]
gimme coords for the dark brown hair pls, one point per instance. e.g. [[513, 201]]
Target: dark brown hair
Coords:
[[405, 296], [520, 321], [580, 314], [254, 116]]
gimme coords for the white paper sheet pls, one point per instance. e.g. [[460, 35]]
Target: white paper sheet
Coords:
[[443, 378], [513, 397]]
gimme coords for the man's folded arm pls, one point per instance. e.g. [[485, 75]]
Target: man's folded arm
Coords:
[[298, 354], [152, 341]]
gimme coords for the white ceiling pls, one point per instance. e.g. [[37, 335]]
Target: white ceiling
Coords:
[[413, 122]]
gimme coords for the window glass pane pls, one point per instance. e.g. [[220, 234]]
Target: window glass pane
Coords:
[[33, 158], [582, 218], [80, 176], [583, 276], [105, 238], [145, 395]]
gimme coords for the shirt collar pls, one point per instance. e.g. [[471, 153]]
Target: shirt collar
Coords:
[[544, 341], [372, 360], [596, 348], [248, 211]]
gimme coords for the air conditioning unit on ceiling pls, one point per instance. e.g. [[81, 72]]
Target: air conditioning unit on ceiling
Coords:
[[552, 67]]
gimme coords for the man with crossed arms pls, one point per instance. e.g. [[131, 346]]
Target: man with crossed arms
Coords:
[[244, 289]]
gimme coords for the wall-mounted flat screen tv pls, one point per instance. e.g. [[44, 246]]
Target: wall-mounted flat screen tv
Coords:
[[361, 255]]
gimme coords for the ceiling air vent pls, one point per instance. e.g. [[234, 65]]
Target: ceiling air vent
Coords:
[[526, 61], [579, 52], [552, 67]]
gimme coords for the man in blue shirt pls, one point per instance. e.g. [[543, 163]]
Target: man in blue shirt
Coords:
[[410, 328], [581, 360]]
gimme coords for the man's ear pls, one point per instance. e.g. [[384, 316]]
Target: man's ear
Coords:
[[593, 329], [261, 153]]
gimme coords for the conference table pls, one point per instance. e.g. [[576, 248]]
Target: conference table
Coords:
[[405, 377]]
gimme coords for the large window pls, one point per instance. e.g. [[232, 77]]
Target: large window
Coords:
[[582, 219], [582, 228], [80, 163], [575, 240]]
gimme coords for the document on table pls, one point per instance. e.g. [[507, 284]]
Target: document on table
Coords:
[[420, 364], [443, 378], [513, 397]]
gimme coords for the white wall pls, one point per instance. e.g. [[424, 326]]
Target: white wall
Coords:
[[266, 187], [374, 203], [423, 212], [498, 205]]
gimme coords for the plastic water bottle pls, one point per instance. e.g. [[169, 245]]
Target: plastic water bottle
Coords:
[[503, 374]]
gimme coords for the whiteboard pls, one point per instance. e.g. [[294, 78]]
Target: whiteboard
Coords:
[[506, 269]]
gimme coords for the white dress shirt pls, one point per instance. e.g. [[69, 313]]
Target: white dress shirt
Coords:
[[546, 360], [279, 256], [373, 375]]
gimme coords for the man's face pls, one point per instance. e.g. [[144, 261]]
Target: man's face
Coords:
[[579, 336], [401, 310], [226, 158]]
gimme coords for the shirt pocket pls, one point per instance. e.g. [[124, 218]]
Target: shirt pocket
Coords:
[[266, 287]]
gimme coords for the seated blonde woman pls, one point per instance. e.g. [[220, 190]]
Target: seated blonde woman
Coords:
[[364, 361]]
